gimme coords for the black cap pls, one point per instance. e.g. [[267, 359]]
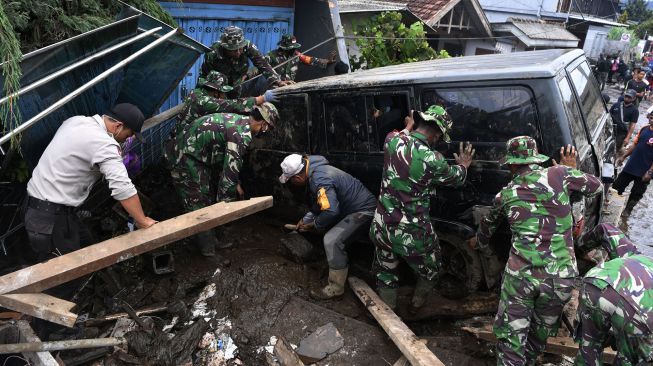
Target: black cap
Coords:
[[129, 115], [630, 93]]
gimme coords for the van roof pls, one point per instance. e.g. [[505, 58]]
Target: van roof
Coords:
[[528, 64]]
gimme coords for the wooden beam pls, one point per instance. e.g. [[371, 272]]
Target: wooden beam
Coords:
[[95, 257], [34, 358], [415, 351], [450, 21], [42, 306], [556, 345], [162, 117], [285, 354]]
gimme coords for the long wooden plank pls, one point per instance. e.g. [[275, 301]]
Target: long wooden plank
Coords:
[[556, 345], [76, 264], [612, 211], [415, 351], [285, 354], [42, 306], [34, 358]]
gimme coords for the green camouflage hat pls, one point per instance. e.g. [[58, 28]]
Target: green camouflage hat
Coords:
[[215, 80], [439, 115], [288, 42], [269, 113], [522, 150], [232, 38]]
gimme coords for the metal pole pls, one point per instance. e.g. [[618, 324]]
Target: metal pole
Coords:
[[78, 64], [61, 345], [86, 86]]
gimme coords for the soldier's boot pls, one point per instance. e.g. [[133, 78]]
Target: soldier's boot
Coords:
[[206, 241], [422, 290], [389, 296], [335, 288]]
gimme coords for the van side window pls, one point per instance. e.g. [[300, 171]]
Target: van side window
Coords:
[[292, 134], [346, 123], [486, 116], [588, 93], [387, 113], [573, 114]]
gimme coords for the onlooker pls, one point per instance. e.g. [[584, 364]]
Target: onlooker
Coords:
[[624, 115], [637, 84], [603, 67], [639, 167], [614, 66]]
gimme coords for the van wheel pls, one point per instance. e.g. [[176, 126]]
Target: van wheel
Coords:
[[461, 268]]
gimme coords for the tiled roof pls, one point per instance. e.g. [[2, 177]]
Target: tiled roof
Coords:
[[542, 30], [351, 6], [427, 9]]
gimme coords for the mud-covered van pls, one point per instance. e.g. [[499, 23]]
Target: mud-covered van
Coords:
[[549, 95]]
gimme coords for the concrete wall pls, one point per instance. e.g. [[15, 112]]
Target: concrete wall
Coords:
[[525, 5], [595, 41]]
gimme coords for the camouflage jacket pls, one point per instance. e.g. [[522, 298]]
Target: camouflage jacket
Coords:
[[411, 172], [609, 238], [199, 103], [632, 278], [289, 70], [537, 206], [220, 141], [236, 69]]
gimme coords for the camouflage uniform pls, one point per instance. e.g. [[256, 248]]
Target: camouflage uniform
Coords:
[[539, 275], [402, 224], [617, 298], [236, 69], [289, 70], [217, 141]]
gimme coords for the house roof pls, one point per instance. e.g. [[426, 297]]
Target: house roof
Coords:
[[535, 33], [356, 6]]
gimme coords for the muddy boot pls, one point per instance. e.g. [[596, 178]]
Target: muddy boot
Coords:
[[422, 290], [628, 209], [389, 296], [206, 243], [335, 288]]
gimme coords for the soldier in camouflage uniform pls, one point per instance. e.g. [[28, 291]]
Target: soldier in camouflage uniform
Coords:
[[216, 142], [209, 97], [230, 56], [402, 227], [288, 50], [539, 275], [617, 295]]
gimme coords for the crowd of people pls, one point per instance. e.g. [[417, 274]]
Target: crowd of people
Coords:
[[217, 125]]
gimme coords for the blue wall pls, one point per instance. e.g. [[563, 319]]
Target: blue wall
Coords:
[[263, 25]]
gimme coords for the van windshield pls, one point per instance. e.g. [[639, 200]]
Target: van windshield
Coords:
[[487, 116]]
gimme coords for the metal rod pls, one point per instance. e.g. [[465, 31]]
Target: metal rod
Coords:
[[86, 86], [61, 345], [78, 64]]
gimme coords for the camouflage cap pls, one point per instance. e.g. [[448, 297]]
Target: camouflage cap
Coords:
[[232, 38], [269, 113], [215, 80], [288, 42], [522, 150], [437, 113]]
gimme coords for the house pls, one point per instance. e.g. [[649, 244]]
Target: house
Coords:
[[452, 25]]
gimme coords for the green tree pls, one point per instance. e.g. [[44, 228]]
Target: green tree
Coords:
[[623, 18], [637, 10], [386, 40]]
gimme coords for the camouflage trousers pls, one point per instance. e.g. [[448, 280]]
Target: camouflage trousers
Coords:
[[601, 310], [191, 179], [417, 248], [529, 312]]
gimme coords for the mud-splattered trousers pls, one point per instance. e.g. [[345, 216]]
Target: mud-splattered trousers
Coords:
[[542, 264], [617, 299], [211, 143], [402, 225]]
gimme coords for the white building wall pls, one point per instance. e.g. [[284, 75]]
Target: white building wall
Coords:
[[524, 5], [595, 41]]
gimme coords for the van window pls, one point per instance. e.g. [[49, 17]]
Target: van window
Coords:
[[292, 134], [588, 93], [387, 113], [346, 123], [487, 116], [573, 114]]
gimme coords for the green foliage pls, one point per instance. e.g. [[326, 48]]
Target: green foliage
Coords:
[[615, 34], [623, 18], [386, 40], [637, 10], [644, 28]]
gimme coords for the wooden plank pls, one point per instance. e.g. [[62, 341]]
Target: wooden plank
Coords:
[[556, 345], [285, 354], [415, 351], [34, 358], [81, 262], [42, 306], [162, 117], [611, 213]]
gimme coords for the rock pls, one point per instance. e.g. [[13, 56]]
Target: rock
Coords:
[[297, 248], [324, 341]]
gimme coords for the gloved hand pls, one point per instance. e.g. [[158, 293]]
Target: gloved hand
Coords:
[[270, 96]]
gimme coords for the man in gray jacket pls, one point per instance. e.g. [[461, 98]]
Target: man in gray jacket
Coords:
[[82, 151], [339, 205]]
